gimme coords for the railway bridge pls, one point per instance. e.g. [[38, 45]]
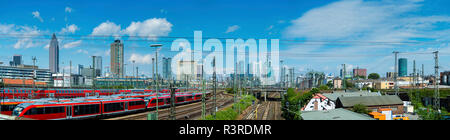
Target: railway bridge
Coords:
[[264, 92]]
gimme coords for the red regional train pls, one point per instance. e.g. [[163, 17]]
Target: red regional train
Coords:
[[82, 109], [29, 93]]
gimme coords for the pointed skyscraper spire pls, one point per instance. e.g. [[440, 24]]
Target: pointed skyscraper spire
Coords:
[[54, 55], [54, 36]]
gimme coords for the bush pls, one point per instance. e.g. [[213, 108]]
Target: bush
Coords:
[[359, 108], [230, 113], [296, 101], [323, 87], [229, 90]]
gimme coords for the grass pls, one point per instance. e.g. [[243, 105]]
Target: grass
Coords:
[[231, 114]]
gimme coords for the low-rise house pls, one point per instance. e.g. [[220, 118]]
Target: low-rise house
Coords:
[[337, 83], [384, 85], [373, 103]]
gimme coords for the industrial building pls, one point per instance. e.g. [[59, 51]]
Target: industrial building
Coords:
[[335, 114], [24, 72], [373, 103], [336, 94]]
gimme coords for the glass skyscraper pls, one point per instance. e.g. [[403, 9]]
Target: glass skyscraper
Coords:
[[402, 67]]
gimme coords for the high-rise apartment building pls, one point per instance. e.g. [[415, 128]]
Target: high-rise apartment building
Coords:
[[97, 65], [17, 60], [117, 63]]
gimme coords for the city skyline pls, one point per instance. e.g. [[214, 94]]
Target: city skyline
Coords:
[[323, 46]]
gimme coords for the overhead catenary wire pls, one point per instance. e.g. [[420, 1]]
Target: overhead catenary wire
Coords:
[[145, 38]]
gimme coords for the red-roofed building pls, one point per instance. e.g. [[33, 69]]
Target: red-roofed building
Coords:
[[319, 102]]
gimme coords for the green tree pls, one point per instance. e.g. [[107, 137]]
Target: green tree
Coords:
[[330, 84], [323, 87], [314, 91], [349, 85], [359, 108], [229, 90], [293, 101], [374, 76]]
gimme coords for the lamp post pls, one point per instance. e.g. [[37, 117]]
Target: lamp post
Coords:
[[132, 83], [157, 77]]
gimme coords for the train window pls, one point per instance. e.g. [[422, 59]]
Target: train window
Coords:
[[86, 109], [189, 97], [136, 103], [160, 100], [7, 107], [35, 111], [108, 107], [180, 99], [153, 101], [167, 100], [52, 110]]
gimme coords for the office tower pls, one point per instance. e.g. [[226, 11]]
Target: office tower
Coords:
[[117, 59], [97, 64], [80, 67], [54, 55], [402, 67], [359, 72], [167, 69]]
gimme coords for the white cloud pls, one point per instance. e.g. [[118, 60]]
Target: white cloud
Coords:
[[149, 28], [70, 29], [232, 28], [20, 32], [359, 32], [68, 10], [24, 43], [141, 59], [107, 52], [37, 15], [107, 28], [47, 46], [82, 51], [72, 44]]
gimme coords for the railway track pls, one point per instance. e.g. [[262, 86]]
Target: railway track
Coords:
[[269, 110], [191, 113], [185, 111]]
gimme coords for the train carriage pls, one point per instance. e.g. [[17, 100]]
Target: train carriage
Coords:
[[117, 106], [7, 106], [58, 110], [163, 101]]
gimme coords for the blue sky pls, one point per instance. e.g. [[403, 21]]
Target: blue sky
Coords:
[[328, 33]]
